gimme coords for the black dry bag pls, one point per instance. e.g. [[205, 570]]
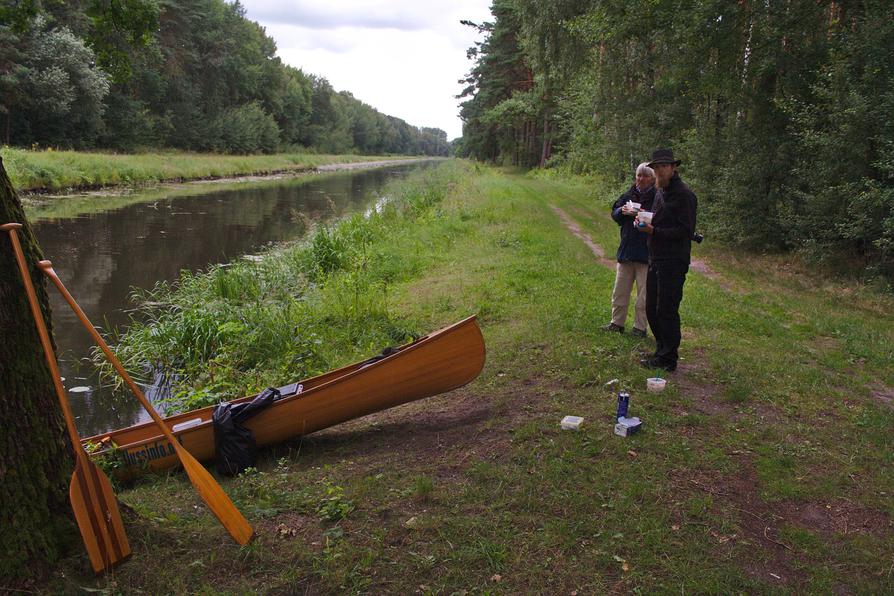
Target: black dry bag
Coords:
[[234, 445]]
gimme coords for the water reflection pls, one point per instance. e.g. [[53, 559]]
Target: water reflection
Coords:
[[102, 256]]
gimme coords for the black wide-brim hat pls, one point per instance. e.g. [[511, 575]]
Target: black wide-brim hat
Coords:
[[661, 156]]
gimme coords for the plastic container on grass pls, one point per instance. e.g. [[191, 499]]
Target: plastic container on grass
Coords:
[[656, 384], [571, 422]]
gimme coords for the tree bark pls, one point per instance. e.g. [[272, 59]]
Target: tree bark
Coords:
[[547, 144], [35, 453]]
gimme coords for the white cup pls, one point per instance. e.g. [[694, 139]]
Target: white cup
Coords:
[[644, 217], [656, 384], [633, 206]]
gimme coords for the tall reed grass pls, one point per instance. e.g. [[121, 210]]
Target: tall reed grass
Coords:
[[60, 170], [297, 311]]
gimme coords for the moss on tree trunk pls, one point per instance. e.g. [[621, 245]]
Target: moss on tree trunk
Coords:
[[35, 454]]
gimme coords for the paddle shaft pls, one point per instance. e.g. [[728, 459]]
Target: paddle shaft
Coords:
[[90, 491], [207, 487]]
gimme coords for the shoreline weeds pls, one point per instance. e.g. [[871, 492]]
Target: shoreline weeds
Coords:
[[120, 189], [71, 173]]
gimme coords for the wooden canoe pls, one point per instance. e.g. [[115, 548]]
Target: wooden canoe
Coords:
[[440, 361]]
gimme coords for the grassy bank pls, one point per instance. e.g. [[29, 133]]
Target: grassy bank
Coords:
[[32, 171], [764, 467]]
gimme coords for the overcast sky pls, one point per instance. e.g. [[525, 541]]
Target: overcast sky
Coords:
[[402, 57]]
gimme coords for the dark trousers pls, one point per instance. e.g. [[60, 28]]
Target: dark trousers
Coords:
[[664, 292]]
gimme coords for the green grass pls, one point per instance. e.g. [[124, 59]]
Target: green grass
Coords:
[[68, 170], [765, 447], [299, 312]]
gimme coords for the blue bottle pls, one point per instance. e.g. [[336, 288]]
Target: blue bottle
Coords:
[[623, 403]]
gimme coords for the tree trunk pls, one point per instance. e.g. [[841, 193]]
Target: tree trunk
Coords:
[[547, 145], [35, 454], [532, 144]]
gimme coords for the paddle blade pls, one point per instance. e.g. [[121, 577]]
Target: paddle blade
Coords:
[[215, 497], [97, 515]]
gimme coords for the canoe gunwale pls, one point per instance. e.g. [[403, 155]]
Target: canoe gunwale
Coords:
[[340, 375]]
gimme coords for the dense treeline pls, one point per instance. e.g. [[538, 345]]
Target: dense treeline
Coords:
[[782, 110], [187, 74]]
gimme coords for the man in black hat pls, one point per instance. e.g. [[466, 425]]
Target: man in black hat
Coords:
[[670, 243]]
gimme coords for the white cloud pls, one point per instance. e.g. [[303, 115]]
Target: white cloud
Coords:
[[401, 15], [402, 57]]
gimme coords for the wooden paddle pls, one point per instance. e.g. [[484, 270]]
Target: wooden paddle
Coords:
[[210, 491], [90, 492]]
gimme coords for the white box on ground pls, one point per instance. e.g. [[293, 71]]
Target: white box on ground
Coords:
[[571, 422], [627, 426]]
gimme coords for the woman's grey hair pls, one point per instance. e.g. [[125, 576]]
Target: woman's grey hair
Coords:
[[644, 168]]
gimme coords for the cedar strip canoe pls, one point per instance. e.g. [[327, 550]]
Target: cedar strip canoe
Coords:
[[439, 362]]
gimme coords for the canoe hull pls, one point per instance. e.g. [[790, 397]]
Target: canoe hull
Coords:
[[441, 361]]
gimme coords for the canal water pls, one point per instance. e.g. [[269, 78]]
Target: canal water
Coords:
[[102, 254]]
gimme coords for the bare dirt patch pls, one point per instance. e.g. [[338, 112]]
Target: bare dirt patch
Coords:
[[838, 516], [291, 526], [443, 434], [883, 395], [771, 558], [700, 266], [707, 397], [427, 431], [758, 523]]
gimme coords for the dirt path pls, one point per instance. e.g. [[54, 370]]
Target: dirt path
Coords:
[[697, 265], [577, 231]]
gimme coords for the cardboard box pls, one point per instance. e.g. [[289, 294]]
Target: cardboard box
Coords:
[[627, 426]]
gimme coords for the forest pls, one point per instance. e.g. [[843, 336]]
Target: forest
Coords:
[[194, 75], [781, 110]]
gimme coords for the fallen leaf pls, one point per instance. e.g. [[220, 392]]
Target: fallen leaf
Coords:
[[631, 453], [675, 527], [496, 577], [625, 566]]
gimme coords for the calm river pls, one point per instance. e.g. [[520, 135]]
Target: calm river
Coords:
[[101, 256]]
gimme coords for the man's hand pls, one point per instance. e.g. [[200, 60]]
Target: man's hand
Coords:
[[625, 210]]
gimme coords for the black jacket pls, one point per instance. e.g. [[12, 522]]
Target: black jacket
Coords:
[[633, 245], [673, 222]]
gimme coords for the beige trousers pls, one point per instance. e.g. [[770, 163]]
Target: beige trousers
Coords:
[[626, 274]]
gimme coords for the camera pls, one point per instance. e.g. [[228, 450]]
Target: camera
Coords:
[[698, 237]]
